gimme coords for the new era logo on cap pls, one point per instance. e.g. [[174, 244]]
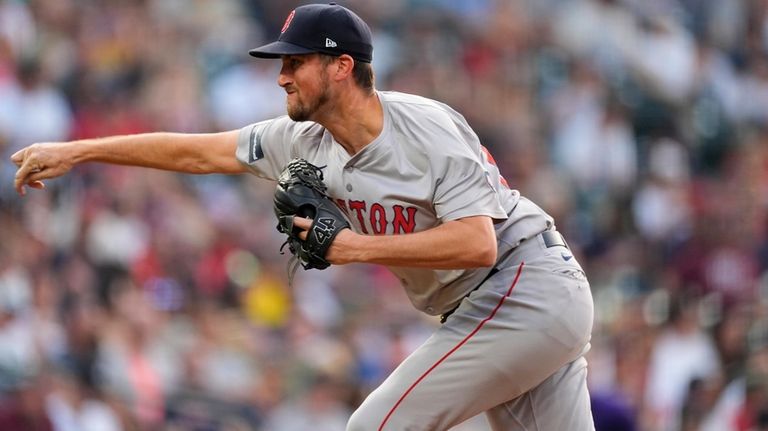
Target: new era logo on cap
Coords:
[[329, 43]]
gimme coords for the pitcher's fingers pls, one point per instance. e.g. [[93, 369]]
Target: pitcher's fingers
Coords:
[[302, 222], [21, 178], [27, 173], [36, 177], [18, 157]]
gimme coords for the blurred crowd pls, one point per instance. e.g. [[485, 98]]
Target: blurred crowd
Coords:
[[133, 299]]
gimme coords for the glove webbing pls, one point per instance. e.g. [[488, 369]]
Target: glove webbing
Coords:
[[307, 174]]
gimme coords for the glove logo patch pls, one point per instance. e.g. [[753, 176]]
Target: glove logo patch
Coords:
[[323, 229]]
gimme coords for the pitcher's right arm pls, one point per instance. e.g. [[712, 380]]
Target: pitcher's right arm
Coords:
[[180, 152]]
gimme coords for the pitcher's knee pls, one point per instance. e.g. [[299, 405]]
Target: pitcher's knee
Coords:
[[358, 422], [373, 415], [377, 414], [370, 415]]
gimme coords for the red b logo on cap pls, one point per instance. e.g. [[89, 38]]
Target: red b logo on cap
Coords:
[[288, 21]]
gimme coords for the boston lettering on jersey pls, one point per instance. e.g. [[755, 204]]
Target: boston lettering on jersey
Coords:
[[374, 217]]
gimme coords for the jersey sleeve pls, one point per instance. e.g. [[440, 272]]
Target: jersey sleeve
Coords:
[[266, 147], [463, 186]]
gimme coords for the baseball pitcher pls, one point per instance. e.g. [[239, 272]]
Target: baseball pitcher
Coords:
[[398, 180]]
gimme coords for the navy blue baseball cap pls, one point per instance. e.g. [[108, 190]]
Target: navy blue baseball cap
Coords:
[[325, 28]]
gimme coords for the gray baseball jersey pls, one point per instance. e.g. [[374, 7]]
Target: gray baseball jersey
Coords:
[[426, 167], [514, 346]]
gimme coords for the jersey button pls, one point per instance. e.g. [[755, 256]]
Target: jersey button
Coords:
[[349, 187], [430, 310]]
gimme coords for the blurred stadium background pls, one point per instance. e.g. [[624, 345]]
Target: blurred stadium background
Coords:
[[134, 299]]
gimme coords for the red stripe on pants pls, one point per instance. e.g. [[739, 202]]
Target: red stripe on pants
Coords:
[[455, 348]]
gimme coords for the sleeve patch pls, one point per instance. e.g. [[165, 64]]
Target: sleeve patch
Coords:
[[255, 152]]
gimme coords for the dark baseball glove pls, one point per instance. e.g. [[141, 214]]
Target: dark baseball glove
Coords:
[[301, 191]]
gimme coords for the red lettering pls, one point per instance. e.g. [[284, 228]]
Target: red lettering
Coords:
[[343, 205], [378, 219], [404, 217], [359, 207], [488, 155], [493, 162], [401, 224]]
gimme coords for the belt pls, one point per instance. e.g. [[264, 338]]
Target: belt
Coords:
[[551, 238]]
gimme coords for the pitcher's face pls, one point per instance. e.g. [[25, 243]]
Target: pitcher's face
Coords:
[[305, 80]]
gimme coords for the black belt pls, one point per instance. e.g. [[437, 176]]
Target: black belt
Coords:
[[552, 238]]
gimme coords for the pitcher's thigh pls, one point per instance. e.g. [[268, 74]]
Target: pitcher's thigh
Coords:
[[505, 339], [437, 388], [458, 374], [561, 402]]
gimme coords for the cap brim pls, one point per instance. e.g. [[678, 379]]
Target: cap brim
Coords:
[[278, 48]]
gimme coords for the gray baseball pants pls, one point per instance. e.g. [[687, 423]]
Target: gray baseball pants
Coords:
[[514, 349]]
